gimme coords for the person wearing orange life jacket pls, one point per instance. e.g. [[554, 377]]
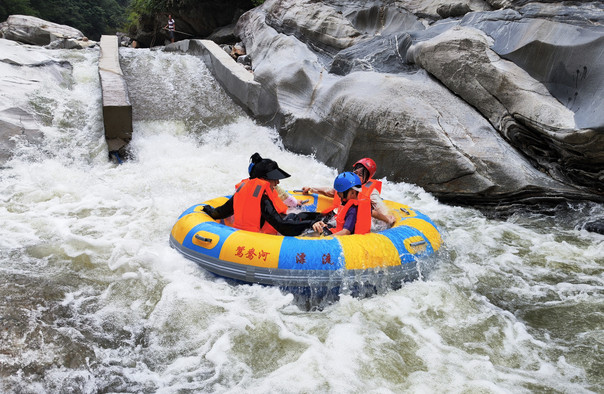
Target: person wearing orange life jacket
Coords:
[[287, 198], [354, 216], [256, 206], [365, 168]]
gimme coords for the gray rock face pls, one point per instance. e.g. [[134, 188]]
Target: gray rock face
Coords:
[[36, 31], [24, 70], [519, 107], [496, 104]]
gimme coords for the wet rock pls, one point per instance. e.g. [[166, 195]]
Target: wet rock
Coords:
[[453, 10], [246, 60], [597, 226], [224, 35]]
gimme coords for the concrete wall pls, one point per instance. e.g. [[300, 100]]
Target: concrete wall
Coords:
[[117, 110]]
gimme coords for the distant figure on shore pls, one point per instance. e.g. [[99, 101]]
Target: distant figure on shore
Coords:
[[171, 26]]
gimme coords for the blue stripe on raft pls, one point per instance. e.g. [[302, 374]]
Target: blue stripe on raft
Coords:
[[222, 231], [425, 218], [398, 236], [311, 207], [311, 254]]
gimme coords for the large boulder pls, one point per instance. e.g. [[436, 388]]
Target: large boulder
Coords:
[[520, 107], [454, 105], [36, 31]]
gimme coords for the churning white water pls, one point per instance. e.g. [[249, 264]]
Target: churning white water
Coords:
[[93, 299]]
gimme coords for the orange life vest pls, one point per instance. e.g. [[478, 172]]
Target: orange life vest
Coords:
[[246, 205], [366, 191], [369, 187], [363, 224]]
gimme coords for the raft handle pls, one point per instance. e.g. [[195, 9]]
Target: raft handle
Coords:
[[404, 210], [417, 243], [203, 239]]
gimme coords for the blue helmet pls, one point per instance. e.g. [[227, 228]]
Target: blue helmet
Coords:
[[347, 180]]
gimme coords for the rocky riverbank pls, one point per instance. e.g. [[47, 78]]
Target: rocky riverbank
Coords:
[[479, 102]]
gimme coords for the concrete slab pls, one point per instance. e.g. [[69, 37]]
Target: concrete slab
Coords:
[[117, 110]]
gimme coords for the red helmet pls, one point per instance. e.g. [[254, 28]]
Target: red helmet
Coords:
[[369, 164]]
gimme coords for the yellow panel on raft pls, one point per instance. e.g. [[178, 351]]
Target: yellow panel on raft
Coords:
[[260, 250], [215, 202], [368, 251], [186, 223]]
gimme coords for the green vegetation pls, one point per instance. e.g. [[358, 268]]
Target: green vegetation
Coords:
[[91, 17], [97, 17]]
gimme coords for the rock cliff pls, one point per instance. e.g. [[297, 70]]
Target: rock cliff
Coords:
[[479, 102]]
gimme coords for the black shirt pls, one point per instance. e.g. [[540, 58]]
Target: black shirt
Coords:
[[290, 225]]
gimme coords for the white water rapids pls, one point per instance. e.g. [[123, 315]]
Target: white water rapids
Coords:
[[93, 299]]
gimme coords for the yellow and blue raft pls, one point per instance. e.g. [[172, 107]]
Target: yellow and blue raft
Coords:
[[306, 261]]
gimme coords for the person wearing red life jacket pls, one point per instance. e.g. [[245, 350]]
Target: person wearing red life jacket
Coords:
[[354, 215], [256, 205], [365, 168]]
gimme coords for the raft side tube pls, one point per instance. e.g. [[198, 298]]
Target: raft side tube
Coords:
[[296, 277]]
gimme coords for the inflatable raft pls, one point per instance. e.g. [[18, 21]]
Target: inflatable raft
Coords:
[[306, 261]]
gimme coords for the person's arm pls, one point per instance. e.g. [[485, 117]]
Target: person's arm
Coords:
[[287, 198], [349, 223], [326, 191], [221, 212], [291, 225], [380, 210]]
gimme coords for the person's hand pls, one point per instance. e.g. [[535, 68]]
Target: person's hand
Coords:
[[318, 226], [391, 220], [306, 189]]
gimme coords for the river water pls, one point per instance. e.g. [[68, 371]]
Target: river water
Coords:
[[93, 299]]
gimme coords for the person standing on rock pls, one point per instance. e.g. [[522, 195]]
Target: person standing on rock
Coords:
[[171, 26]]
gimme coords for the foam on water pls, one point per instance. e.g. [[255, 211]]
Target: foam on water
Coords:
[[94, 299]]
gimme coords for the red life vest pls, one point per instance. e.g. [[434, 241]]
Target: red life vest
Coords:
[[246, 205], [369, 187], [363, 224]]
